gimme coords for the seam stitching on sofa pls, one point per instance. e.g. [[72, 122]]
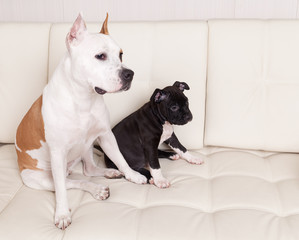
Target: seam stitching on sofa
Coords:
[[206, 87], [49, 44], [211, 199], [268, 164], [10, 200]]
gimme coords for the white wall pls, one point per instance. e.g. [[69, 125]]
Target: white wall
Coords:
[[140, 10]]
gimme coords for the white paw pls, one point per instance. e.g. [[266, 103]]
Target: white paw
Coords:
[[195, 160], [113, 173], [101, 192], [69, 172], [160, 183], [175, 157], [135, 177], [63, 220]]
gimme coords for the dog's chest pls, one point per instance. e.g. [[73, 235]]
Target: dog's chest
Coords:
[[167, 132]]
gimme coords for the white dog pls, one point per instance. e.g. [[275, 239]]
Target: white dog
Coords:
[[59, 129]]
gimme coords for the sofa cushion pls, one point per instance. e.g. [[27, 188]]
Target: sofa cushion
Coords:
[[253, 85], [23, 72], [236, 194], [159, 54]]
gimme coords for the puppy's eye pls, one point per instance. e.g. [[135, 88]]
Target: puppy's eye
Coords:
[[121, 56], [174, 108], [101, 56]]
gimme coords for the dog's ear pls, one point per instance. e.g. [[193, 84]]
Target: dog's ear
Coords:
[[76, 33], [159, 95], [181, 85], [104, 29]]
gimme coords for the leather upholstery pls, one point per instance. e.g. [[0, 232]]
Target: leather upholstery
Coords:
[[252, 74]]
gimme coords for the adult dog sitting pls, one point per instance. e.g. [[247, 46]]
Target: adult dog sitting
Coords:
[[59, 129]]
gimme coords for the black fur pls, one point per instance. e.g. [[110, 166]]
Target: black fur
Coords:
[[138, 135]]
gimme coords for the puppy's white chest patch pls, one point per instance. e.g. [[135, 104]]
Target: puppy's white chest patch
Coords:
[[167, 132]]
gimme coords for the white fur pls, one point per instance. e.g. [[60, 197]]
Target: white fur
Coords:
[[167, 132], [188, 156], [75, 116], [42, 154], [17, 147], [158, 179]]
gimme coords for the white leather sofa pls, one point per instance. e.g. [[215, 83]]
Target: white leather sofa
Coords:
[[244, 80]]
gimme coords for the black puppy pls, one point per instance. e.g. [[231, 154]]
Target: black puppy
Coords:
[[139, 135]]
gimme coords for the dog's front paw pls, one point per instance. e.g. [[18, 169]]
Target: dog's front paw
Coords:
[[63, 220], [135, 177], [160, 183], [195, 160], [101, 192], [112, 173]]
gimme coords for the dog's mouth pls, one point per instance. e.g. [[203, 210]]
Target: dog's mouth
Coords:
[[100, 90], [126, 87]]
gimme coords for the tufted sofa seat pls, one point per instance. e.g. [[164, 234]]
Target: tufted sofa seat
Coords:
[[244, 80]]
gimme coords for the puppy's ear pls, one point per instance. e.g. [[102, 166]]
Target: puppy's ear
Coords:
[[159, 96], [76, 34], [104, 29], [181, 85]]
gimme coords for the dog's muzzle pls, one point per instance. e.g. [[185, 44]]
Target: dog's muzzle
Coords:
[[126, 76]]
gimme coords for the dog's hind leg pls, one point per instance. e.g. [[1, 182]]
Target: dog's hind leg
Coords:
[[90, 168], [43, 180]]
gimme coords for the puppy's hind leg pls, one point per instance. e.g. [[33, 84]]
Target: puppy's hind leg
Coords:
[[90, 169], [169, 155]]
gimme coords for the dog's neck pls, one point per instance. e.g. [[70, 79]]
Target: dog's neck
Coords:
[[64, 85]]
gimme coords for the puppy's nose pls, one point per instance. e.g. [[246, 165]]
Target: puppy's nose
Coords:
[[188, 117], [127, 75]]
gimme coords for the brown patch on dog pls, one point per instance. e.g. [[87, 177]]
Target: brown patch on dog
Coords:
[[29, 134]]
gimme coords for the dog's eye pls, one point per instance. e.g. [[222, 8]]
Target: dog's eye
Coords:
[[101, 56], [121, 56], [174, 108]]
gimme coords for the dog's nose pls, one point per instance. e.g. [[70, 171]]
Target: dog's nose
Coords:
[[188, 117], [127, 75]]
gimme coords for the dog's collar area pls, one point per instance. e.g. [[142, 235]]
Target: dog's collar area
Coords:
[[100, 91]]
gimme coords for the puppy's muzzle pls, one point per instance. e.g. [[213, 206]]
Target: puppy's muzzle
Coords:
[[188, 117], [126, 76]]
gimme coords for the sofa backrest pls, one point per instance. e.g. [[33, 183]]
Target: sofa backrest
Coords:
[[252, 98], [253, 85], [158, 53], [23, 72]]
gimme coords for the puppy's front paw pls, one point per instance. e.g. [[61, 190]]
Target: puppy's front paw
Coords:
[[112, 173], [192, 159], [160, 183], [63, 220], [135, 177], [195, 160]]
